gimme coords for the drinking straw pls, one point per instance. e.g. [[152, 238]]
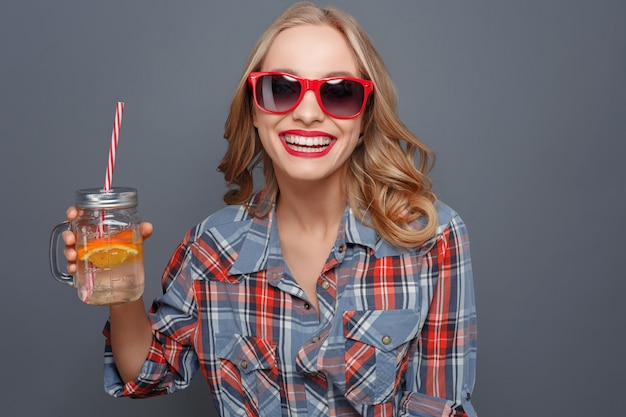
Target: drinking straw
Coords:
[[119, 109], [108, 177]]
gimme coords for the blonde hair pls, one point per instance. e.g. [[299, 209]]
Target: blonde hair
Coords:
[[384, 184]]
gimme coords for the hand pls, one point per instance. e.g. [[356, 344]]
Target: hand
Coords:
[[70, 239]]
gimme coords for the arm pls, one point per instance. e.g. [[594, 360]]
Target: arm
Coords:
[[153, 354], [131, 337], [138, 352], [445, 358]]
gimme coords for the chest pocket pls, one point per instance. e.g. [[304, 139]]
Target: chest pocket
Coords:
[[249, 375], [377, 342]]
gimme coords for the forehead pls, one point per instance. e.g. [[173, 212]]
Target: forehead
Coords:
[[311, 51]]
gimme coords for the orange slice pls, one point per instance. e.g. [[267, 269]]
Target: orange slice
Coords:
[[108, 252], [107, 256]]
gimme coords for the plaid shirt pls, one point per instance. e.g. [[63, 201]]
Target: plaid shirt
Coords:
[[395, 335]]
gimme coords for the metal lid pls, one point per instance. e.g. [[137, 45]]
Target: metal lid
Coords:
[[99, 198]]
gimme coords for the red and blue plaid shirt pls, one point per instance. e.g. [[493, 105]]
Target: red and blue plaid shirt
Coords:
[[395, 334]]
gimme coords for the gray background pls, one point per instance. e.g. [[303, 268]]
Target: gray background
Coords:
[[524, 103]]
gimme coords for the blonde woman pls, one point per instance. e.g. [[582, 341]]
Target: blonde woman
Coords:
[[342, 286]]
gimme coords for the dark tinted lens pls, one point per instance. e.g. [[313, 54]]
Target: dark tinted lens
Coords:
[[277, 93], [342, 98]]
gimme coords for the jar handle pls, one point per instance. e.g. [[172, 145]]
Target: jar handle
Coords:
[[62, 277]]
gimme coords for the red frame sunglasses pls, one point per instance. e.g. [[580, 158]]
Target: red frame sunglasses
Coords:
[[338, 97]]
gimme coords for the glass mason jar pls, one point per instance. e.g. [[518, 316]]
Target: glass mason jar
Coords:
[[109, 247]]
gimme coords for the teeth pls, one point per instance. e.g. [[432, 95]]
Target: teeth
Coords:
[[304, 149], [307, 141]]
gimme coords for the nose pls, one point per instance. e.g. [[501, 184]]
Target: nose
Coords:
[[309, 110]]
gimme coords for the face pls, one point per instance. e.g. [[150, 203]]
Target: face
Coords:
[[307, 144]]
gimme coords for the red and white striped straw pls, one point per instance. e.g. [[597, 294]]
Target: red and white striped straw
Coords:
[[119, 109]]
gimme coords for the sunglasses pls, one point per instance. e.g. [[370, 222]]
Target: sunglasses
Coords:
[[280, 93]]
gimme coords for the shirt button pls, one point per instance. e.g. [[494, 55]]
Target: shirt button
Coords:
[[315, 339], [341, 249], [243, 364], [325, 285], [386, 339], [307, 306], [468, 396]]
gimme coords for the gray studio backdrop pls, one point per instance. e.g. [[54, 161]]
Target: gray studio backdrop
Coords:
[[523, 101]]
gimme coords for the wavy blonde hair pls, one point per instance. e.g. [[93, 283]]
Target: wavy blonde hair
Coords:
[[386, 180]]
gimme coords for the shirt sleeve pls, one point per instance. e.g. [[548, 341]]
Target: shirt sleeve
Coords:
[[445, 357], [171, 361]]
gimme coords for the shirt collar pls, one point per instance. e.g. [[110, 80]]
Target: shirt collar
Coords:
[[360, 234], [256, 248]]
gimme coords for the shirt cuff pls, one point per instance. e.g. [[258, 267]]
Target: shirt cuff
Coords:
[[147, 384], [420, 405]]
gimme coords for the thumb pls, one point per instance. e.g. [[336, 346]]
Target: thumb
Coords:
[[146, 229]]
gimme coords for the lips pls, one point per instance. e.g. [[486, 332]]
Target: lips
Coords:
[[307, 143]]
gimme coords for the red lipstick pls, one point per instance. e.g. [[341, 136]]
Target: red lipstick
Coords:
[[307, 143]]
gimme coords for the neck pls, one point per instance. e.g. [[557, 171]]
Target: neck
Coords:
[[312, 207]]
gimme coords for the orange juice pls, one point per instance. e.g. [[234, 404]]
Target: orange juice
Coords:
[[110, 268]]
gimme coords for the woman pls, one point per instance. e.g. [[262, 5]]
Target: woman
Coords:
[[344, 287]]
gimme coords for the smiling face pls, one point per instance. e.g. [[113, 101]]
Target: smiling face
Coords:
[[306, 144]]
